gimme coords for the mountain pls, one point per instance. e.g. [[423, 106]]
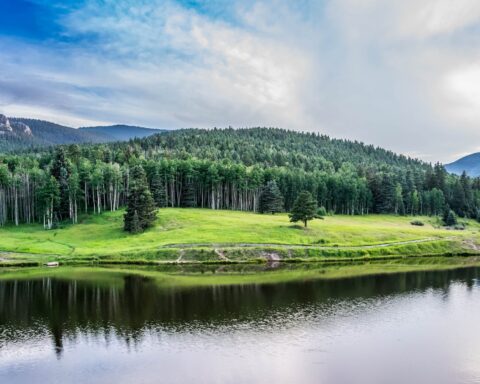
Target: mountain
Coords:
[[122, 132], [23, 133], [469, 164]]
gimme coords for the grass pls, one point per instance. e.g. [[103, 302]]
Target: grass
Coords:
[[182, 277], [195, 233]]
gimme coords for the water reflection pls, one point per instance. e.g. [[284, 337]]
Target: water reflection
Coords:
[[64, 307], [135, 312]]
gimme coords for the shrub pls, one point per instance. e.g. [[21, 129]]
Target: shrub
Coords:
[[449, 218], [321, 212], [417, 223]]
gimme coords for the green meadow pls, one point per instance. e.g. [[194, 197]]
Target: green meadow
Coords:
[[222, 236]]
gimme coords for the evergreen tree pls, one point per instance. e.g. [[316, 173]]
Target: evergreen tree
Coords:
[[458, 202], [304, 208], [449, 218], [271, 199], [158, 189], [140, 205], [188, 195], [386, 198], [135, 225]]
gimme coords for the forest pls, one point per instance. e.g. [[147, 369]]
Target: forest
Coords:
[[227, 169]]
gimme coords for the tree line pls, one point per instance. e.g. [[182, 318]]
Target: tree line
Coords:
[[227, 169]]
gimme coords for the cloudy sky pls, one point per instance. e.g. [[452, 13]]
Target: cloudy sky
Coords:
[[402, 74]]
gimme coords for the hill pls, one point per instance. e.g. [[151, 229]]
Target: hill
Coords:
[[121, 132], [470, 164], [24, 133], [274, 147]]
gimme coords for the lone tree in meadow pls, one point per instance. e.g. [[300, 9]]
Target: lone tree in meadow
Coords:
[[140, 205], [271, 199], [304, 208]]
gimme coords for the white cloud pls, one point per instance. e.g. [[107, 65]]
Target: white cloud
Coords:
[[463, 86], [401, 74]]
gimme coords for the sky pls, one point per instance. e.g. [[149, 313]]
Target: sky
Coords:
[[400, 74]]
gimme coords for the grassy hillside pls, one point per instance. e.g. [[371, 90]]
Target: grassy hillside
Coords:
[[208, 235]]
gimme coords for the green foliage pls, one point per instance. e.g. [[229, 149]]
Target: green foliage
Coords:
[[321, 212], [61, 171], [417, 223], [100, 238], [271, 199], [449, 218], [157, 187], [226, 169], [140, 213], [188, 195], [304, 209]]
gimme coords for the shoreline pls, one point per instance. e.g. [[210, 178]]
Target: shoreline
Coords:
[[252, 254]]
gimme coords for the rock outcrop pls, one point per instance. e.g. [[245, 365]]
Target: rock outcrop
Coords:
[[21, 129], [5, 126], [15, 128]]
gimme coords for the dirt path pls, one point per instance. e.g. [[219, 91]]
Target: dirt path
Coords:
[[469, 243], [221, 255], [180, 257]]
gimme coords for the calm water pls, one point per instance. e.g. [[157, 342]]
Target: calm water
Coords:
[[405, 328]]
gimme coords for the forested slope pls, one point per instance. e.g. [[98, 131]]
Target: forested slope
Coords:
[[227, 169], [31, 134]]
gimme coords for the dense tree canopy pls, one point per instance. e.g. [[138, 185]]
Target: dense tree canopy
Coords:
[[227, 169]]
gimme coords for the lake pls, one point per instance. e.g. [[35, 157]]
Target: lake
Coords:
[[415, 327]]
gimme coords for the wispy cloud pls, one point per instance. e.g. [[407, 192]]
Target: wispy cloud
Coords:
[[401, 74]]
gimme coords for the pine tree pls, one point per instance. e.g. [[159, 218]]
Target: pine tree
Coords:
[[449, 217], [135, 226], [304, 208], [140, 205], [271, 199], [158, 190], [188, 195]]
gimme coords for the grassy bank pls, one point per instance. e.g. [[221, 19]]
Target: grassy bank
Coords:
[[179, 276], [189, 235]]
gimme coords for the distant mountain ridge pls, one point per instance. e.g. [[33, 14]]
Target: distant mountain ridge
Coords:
[[470, 164], [122, 132], [23, 133]]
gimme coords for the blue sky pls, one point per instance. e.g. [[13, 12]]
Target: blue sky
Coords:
[[401, 74]]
